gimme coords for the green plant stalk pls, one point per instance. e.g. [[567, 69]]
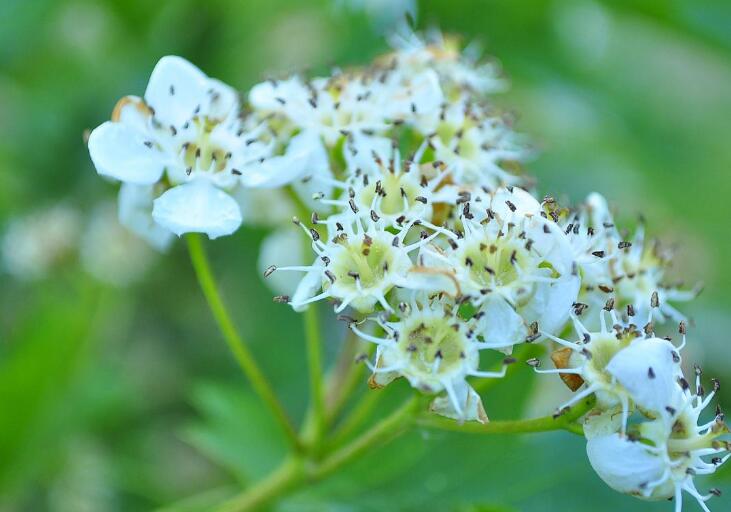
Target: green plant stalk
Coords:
[[357, 416], [240, 350], [343, 378], [294, 473], [287, 476], [566, 422], [314, 358], [316, 415]]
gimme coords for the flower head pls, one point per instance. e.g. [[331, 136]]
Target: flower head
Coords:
[[512, 263], [660, 458], [622, 367], [184, 145], [435, 350], [357, 265]]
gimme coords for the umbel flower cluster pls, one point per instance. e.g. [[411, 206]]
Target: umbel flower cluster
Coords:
[[428, 239]]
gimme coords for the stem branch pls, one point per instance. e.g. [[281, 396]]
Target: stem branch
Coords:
[[240, 350]]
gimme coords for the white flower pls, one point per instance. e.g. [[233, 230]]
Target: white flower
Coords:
[[660, 458], [513, 264], [435, 350], [639, 276], [621, 367], [630, 272], [134, 207], [357, 266], [457, 71], [394, 190], [33, 244], [185, 140], [479, 145]]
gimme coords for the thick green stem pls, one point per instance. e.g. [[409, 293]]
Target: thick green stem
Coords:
[[391, 426], [296, 472], [287, 476], [357, 416], [293, 473], [239, 349]]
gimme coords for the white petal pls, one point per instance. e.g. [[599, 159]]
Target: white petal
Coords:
[[598, 209], [197, 207], [501, 325], [603, 423], [310, 284], [432, 280], [469, 400], [315, 180], [303, 151], [281, 248], [523, 202], [551, 303], [132, 111], [551, 243], [647, 370], [118, 150], [422, 96], [177, 90], [366, 146], [135, 213], [267, 95], [381, 379], [623, 465]]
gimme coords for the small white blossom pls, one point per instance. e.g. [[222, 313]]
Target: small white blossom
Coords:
[[621, 367], [631, 272], [513, 264], [435, 350], [357, 265], [660, 458], [185, 142]]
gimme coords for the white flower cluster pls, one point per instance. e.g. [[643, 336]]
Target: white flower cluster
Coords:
[[423, 225], [645, 436]]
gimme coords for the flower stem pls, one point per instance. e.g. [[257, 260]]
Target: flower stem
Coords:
[[241, 352], [296, 472], [287, 476], [391, 426], [314, 357], [343, 378], [545, 424]]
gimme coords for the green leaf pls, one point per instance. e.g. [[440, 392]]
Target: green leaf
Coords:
[[234, 431]]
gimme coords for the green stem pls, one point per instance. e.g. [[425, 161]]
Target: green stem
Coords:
[[545, 424], [315, 422], [357, 416], [294, 473], [314, 357], [351, 383], [239, 349], [343, 378], [289, 475], [394, 424]]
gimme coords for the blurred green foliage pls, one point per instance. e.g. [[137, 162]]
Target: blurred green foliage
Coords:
[[125, 399]]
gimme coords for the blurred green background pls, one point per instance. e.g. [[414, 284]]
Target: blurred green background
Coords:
[[125, 398]]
